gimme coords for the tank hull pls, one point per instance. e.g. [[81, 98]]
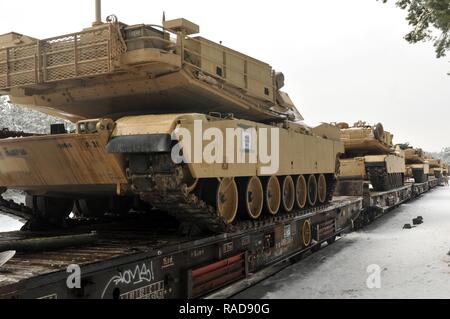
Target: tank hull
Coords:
[[420, 172], [135, 157], [385, 172], [62, 164]]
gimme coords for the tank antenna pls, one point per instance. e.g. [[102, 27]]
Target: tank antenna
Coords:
[[98, 12]]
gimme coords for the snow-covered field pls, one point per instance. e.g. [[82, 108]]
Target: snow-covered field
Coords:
[[414, 263]]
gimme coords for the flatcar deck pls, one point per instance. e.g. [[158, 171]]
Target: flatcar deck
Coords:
[[134, 259], [139, 256]]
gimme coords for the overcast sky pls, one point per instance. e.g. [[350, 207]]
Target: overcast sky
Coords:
[[343, 60]]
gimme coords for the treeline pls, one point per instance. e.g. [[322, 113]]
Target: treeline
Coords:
[[26, 120], [443, 155]]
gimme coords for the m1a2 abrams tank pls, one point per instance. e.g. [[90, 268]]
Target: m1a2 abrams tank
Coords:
[[370, 155], [188, 125], [416, 165], [436, 167]]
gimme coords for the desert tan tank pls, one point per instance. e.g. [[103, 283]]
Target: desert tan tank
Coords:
[[190, 126], [417, 167], [370, 155], [436, 167]]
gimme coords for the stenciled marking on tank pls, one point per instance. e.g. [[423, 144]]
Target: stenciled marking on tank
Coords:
[[15, 152], [92, 144], [64, 146], [134, 276]]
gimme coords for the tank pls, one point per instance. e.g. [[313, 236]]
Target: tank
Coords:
[[417, 166], [175, 121], [436, 167], [370, 155]]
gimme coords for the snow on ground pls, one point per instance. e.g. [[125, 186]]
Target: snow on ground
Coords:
[[16, 196], [7, 222], [414, 263]]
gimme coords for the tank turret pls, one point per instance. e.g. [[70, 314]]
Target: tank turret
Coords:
[[363, 138], [114, 69]]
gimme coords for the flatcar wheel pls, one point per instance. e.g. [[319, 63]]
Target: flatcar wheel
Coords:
[[288, 194], [227, 199], [312, 191], [272, 194], [92, 207], [254, 198], [307, 233], [301, 192], [322, 188]]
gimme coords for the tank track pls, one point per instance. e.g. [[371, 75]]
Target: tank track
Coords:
[[166, 190], [382, 181], [187, 209], [6, 133], [12, 208]]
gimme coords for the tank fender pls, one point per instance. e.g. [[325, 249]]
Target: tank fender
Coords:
[[137, 144]]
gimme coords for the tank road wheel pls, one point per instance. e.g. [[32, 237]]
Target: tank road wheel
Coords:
[[322, 189], [312, 191], [301, 191], [50, 209], [288, 194], [252, 197], [272, 194], [307, 233], [227, 199], [92, 207]]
